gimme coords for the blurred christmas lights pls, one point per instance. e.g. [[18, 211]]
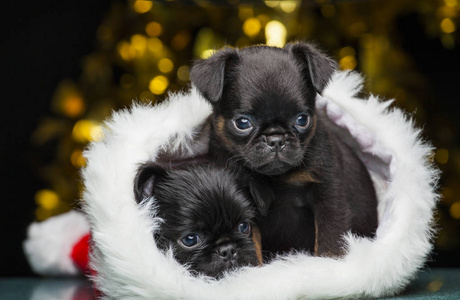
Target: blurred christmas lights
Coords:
[[146, 49]]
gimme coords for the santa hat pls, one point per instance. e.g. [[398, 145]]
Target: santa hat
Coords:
[[59, 245], [129, 265]]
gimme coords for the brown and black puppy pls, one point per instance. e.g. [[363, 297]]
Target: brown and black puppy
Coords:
[[207, 219], [310, 188]]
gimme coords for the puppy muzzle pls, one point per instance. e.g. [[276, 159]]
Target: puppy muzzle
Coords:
[[276, 143], [227, 252]]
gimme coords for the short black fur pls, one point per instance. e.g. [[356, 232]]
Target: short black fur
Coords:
[[200, 204], [309, 186]]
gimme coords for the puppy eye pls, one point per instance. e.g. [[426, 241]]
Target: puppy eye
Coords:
[[302, 121], [190, 240], [243, 124], [244, 228]]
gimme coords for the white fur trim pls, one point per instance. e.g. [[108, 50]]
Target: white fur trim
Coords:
[[129, 265], [49, 244]]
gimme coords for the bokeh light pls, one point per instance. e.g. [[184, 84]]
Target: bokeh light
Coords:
[[251, 27], [77, 159], [153, 29], [275, 33], [288, 6], [73, 106], [159, 84], [155, 45], [207, 53], [165, 65], [455, 210], [139, 43], [272, 3], [447, 25], [141, 6], [442, 156], [146, 48], [183, 73], [47, 199], [126, 51], [86, 130]]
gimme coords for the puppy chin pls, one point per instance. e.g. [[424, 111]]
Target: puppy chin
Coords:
[[273, 163], [272, 168], [217, 268]]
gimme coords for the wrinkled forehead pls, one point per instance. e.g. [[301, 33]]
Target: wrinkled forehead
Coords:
[[273, 83]]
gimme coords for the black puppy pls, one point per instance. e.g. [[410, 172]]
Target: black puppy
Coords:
[[207, 220], [309, 186]]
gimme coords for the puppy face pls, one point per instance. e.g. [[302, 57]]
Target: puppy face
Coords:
[[207, 220], [264, 102]]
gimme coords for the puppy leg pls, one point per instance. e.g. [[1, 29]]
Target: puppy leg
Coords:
[[331, 222]]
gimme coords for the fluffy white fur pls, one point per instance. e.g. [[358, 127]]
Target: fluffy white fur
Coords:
[[129, 266], [49, 244]]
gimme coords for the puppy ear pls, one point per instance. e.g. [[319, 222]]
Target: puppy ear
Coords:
[[209, 75], [262, 195], [145, 181], [318, 66]]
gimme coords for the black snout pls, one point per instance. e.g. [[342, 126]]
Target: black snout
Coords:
[[227, 252], [276, 142]]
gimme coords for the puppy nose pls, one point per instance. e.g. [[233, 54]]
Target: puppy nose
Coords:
[[227, 252], [276, 142]]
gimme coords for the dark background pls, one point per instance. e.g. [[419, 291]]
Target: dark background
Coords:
[[42, 43]]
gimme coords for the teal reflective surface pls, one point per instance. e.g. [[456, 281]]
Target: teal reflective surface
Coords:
[[429, 284], [45, 289]]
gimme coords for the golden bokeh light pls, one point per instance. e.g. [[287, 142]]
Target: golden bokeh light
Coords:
[[183, 73], [126, 51], [272, 3], [251, 27], [85, 131], [348, 62], [155, 45], [142, 6], [455, 210], [451, 3], [275, 34], [447, 11], [73, 106], [288, 6], [442, 156], [447, 25], [47, 199], [165, 65], [139, 43], [77, 159], [153, 29], [68, 100], [207, 53], [158, 85]]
